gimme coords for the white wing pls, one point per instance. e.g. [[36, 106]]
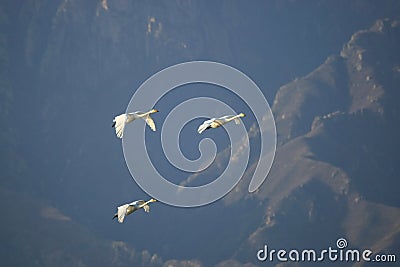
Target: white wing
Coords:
[[150, 122], [119, 124], [205, 125], [237, 121], [146, 208], [122, 213]]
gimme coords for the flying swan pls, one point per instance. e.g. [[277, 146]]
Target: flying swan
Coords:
[[127, 209], [120, 121], [217, 122]]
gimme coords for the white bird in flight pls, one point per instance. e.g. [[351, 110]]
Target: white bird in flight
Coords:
[[120, 121], [127, 209], [217, 122]]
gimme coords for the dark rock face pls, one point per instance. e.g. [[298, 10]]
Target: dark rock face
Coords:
[[67, 67], [337, 158]]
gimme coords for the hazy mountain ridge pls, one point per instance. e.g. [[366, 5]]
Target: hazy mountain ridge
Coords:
[[309, 189], [345, 159], [48, 238]]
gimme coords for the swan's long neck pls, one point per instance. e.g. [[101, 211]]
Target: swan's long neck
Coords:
[[148, 113], [235, 117], [147, 202]]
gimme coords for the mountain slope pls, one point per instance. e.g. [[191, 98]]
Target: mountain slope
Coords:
[[334, 173], [67, 67]]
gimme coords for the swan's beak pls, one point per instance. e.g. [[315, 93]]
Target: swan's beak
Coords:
[[155, 110], [153, 200], [242, 115]]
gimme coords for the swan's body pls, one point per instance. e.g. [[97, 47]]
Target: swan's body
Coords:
[[217, 122], [120, 121], [127, 209]]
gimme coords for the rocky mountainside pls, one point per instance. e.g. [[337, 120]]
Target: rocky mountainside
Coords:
[[46, 237], [335, 169], [68, 66]]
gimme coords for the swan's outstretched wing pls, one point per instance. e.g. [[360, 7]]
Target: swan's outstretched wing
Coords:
[[237, 120], [119, 125], [146, 208], [122, 212], [150, 122], [204, 126]]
